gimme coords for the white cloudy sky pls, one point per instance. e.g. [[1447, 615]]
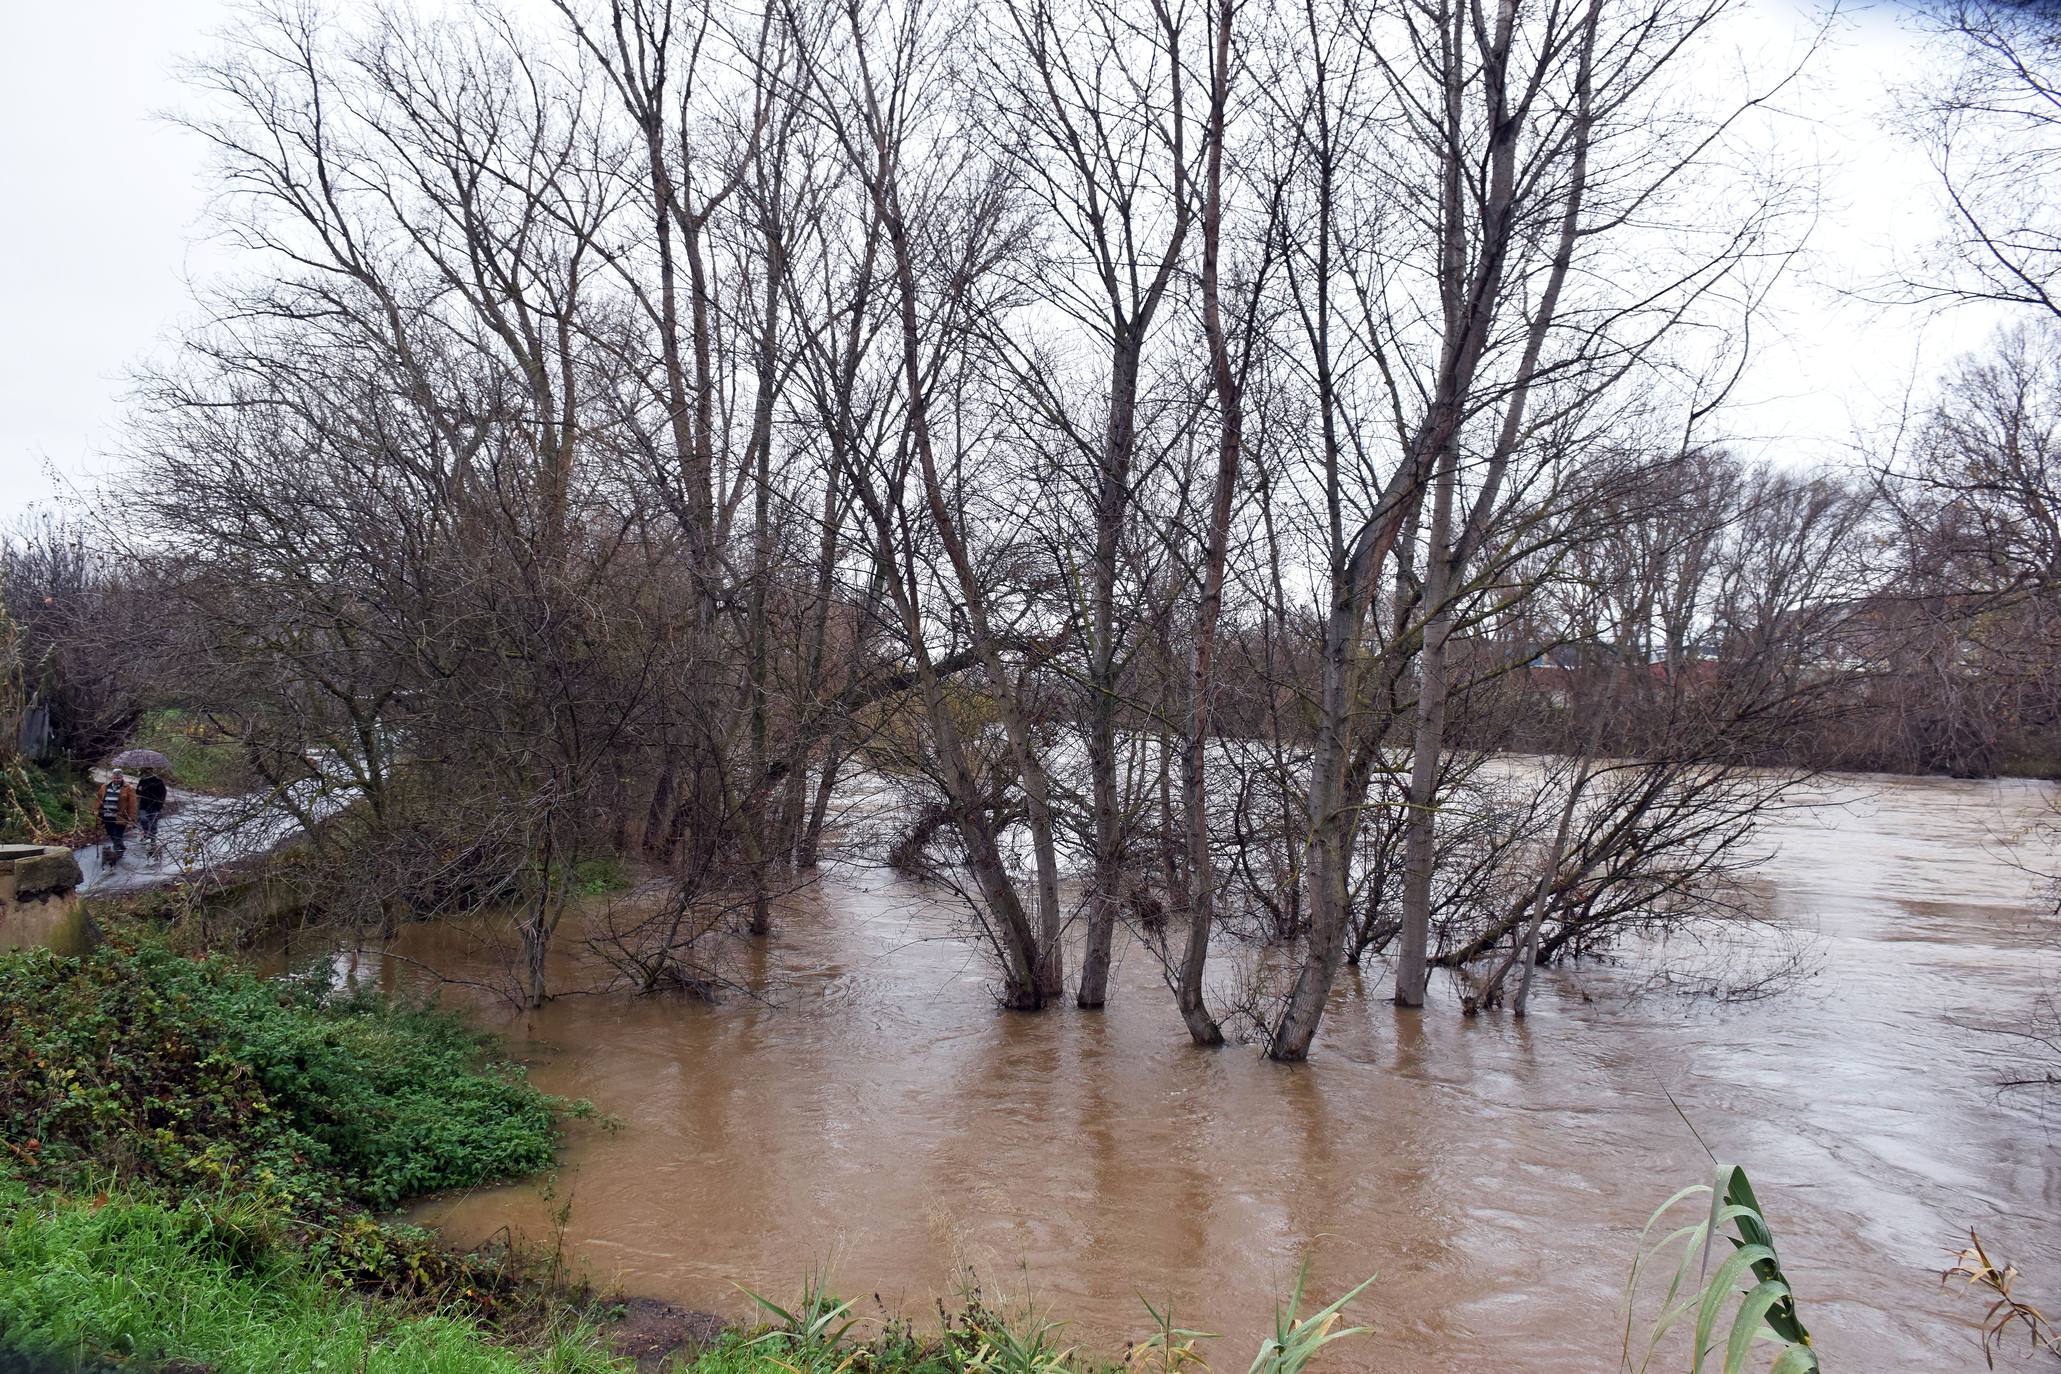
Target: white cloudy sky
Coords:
[[102, 224]]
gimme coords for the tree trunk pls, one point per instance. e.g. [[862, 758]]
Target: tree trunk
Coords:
[[1420, 831], [1111, 504]]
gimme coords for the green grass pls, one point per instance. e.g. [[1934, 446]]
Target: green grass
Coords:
[[203, 758], [133, 1279], [597, 877]]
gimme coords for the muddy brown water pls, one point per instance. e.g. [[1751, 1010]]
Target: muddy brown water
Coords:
[[877, 1115]]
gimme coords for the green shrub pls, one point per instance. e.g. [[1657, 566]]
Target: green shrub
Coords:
[[145, 1064], [597, 877], [402, 1102]]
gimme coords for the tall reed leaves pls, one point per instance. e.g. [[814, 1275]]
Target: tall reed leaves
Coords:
[[1296, 1340], [1748, 1281]]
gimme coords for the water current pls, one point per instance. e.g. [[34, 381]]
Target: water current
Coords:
[[871, 1111]]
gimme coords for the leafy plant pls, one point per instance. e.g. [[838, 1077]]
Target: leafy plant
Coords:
[[1296, 1340], [40, 804], [818, 1322], [195, 1072], [1765, 1311], [1026, 1346], [1978, 1270], [1169, 1349], [601, 875]]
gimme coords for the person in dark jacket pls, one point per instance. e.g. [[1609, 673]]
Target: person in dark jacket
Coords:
[[150, 804], [117, 810]]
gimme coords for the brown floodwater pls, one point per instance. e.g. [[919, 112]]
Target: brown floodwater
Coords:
[[874, 1113]]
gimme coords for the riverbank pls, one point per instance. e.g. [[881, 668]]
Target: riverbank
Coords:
[[867, 1109], [199, 1163], [196, 1161]]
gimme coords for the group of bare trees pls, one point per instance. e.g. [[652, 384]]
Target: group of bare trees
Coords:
[[1966, 613], [1176, 449]]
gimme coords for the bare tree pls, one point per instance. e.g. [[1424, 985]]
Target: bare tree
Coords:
[[1101, 91], [1993, 131]]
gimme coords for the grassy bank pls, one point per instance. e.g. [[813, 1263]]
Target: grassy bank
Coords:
[[195, 1159], [203, 758], [206, 1282]]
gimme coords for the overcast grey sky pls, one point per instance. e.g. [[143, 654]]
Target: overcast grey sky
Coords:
[[100, 204], [102, 223]]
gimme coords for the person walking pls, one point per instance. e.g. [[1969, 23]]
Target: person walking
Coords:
[[150, 804], [117, 810]]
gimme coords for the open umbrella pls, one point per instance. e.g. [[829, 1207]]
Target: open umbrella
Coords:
[[141, 758]]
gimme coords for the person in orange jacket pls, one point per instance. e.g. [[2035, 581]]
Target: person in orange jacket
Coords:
[[117, 810]]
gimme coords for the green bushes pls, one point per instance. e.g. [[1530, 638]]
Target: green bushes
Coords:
[[146, 1065], [599, 876], [202, 1146], [399, 1102]]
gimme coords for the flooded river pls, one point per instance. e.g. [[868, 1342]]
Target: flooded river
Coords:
[[876, 1114]]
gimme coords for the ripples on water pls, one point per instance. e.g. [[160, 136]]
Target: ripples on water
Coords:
[[877, 1113]]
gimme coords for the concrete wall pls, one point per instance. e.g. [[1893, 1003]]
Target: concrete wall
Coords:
[[39, 902]]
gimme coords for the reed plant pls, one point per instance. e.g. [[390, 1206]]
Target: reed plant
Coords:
[[1748, 1282], [1296, 1340], [819, 1321]]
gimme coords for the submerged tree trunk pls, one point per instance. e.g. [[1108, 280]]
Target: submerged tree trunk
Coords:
[[1200, 884], [1112, 500], [1420, 827]]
